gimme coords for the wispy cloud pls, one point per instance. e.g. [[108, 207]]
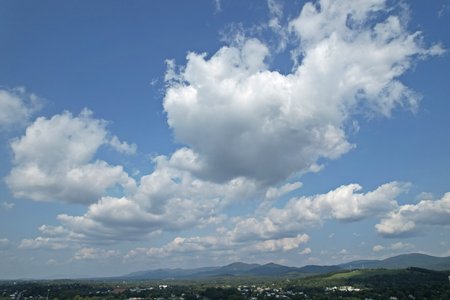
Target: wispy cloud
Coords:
[[8, 205], [122, 147], [95, 254], [17, 106], [4, 243], [445, 9], [217, 6], [305, 251], [398, 246]]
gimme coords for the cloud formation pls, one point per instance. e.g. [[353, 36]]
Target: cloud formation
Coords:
[[17, 107], [274, 192], [42, 243], [55, 161], [283, 244], [8, 205], [168, 199], [4, 243], [305, 251], [205, 245], [409, 219], [377, 248], [94, 254], [122, 147], [398, 246], [246, 129], [345, 204], [243, 120]]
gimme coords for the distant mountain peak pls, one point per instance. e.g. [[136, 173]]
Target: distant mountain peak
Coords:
[[403, 261], [272, 264], [237, 264]]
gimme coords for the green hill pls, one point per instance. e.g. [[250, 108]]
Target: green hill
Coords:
[[403, 261]]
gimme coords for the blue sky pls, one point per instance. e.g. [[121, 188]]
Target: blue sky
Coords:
[[147, 134]]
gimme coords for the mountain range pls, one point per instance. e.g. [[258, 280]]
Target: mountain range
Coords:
[[272, 269]]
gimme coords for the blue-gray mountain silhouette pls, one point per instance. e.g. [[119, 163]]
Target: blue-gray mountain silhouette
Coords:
[[272, 269]]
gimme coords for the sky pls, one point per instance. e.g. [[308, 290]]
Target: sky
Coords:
[[137, 135]]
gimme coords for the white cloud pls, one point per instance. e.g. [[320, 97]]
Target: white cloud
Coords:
[[4, 243], [343, 252], [42, 243], [274, 193], [166, 199], [51, 262], [320, 20], [344, 204], [275, 8], [445, 9], [53, 231], [188, 247], [51, 238], [183, 246], [377, 248], [122, 219], [54, 161], [95, 254], [401, 246], [265, 141], [17, 107], [275, 24], [217, 6], [305, 251], [398, 246], [122, 147], [425, 196], [284, 244], [347, 205], [410, 218], [241, 119], [8, 205]]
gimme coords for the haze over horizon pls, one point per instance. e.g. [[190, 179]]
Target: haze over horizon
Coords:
[[147, 134]]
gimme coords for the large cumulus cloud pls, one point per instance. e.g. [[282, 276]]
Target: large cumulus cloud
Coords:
[[243, 119], [55, 160]]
